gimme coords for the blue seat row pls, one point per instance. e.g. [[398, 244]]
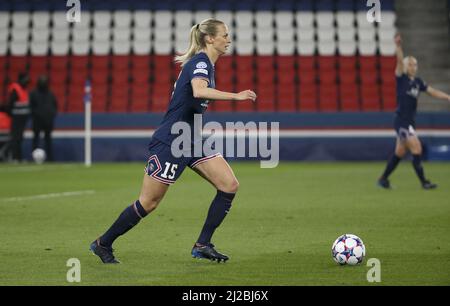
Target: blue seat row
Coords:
[[251, 5]]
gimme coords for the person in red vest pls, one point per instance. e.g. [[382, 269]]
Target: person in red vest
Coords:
[[19, 110]]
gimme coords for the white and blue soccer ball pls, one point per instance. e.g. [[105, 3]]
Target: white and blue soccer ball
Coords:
[[38, 155], [348, 249]]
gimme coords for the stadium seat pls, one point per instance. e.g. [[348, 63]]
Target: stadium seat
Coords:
[[307, 94], [370, 98], [349, 97], [328, 97]]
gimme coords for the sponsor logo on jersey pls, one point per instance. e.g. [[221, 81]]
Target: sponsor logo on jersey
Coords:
[[204, 71], [201, 65]]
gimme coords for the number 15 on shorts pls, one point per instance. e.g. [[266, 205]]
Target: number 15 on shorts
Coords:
[[169, 171]]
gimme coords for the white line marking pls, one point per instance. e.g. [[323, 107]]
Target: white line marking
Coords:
[[296, 133], [48, 196]]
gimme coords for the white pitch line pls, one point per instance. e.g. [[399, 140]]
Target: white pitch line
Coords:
[[48, 196]]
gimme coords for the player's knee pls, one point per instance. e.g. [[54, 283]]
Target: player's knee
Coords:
[[149, 203], [231, 186]]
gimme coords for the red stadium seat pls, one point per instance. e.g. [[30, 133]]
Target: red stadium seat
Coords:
[[327, 62], [100, 62], [99, 97], [328, 98], [60, 95], [307, 97], [75, 98], [140, 76], [99, 76], [389, 94], [18, 63], [265, 63], [160, 97], [58, 62], [119, 99], [224, 65], [307, 77], [306, 63], [286, 99], [120, 63], [140, 98], [79, 62], [266, 98], [368, 63], [388, 63], [370, 98], [244, 81], [244, 64], [349, 97], [347, 77], [327, 77], [347, 63], [368, 79], [285, 62]]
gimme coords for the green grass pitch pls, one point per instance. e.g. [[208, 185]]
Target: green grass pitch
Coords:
[[279, 231]]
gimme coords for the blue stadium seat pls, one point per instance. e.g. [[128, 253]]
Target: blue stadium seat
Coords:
[[121, 5], [41, 5], [304, 5], [225, 5], [248, 5], [204, 5], [264, 5], [5, 6], [325, 5], [21, 5], [284, 5], [141, 5], [387, 5], [186, 5], [161, 5], [345, 5], [57, 5]]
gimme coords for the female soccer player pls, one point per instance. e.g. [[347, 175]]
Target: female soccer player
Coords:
[[408, 89], [195, 86]]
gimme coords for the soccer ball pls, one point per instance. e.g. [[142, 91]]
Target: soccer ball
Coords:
[[348, 249], [38, 156]]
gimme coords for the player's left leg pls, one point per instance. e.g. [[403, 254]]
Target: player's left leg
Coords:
[[415, 147], [217, 171], [400, 151]]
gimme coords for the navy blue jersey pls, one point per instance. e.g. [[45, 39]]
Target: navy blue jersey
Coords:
[[183, 106], [408, 92]]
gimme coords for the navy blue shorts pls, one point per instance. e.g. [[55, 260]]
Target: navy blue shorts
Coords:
[[165, 168], [404, 129]]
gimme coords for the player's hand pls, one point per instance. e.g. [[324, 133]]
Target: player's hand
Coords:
[[246, 95], [398, 39]]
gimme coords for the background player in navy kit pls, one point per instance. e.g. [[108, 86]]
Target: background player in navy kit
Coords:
[[408, 89], [194, 87]]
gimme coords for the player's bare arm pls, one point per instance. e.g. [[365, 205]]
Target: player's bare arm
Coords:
[[436, 93], [399, 53], [201, 91]]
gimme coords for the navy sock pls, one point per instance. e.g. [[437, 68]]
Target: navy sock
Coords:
[[217, 212], [129, 218], [417, 164], [390, 167]]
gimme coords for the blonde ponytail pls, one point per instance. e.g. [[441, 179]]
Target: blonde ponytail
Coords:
[[197, 39]]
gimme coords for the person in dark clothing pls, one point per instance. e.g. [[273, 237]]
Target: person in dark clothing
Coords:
[[43, 110], [19, 110]]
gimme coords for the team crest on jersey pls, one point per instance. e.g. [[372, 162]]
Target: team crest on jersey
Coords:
[[414, 92], [201, 65]]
